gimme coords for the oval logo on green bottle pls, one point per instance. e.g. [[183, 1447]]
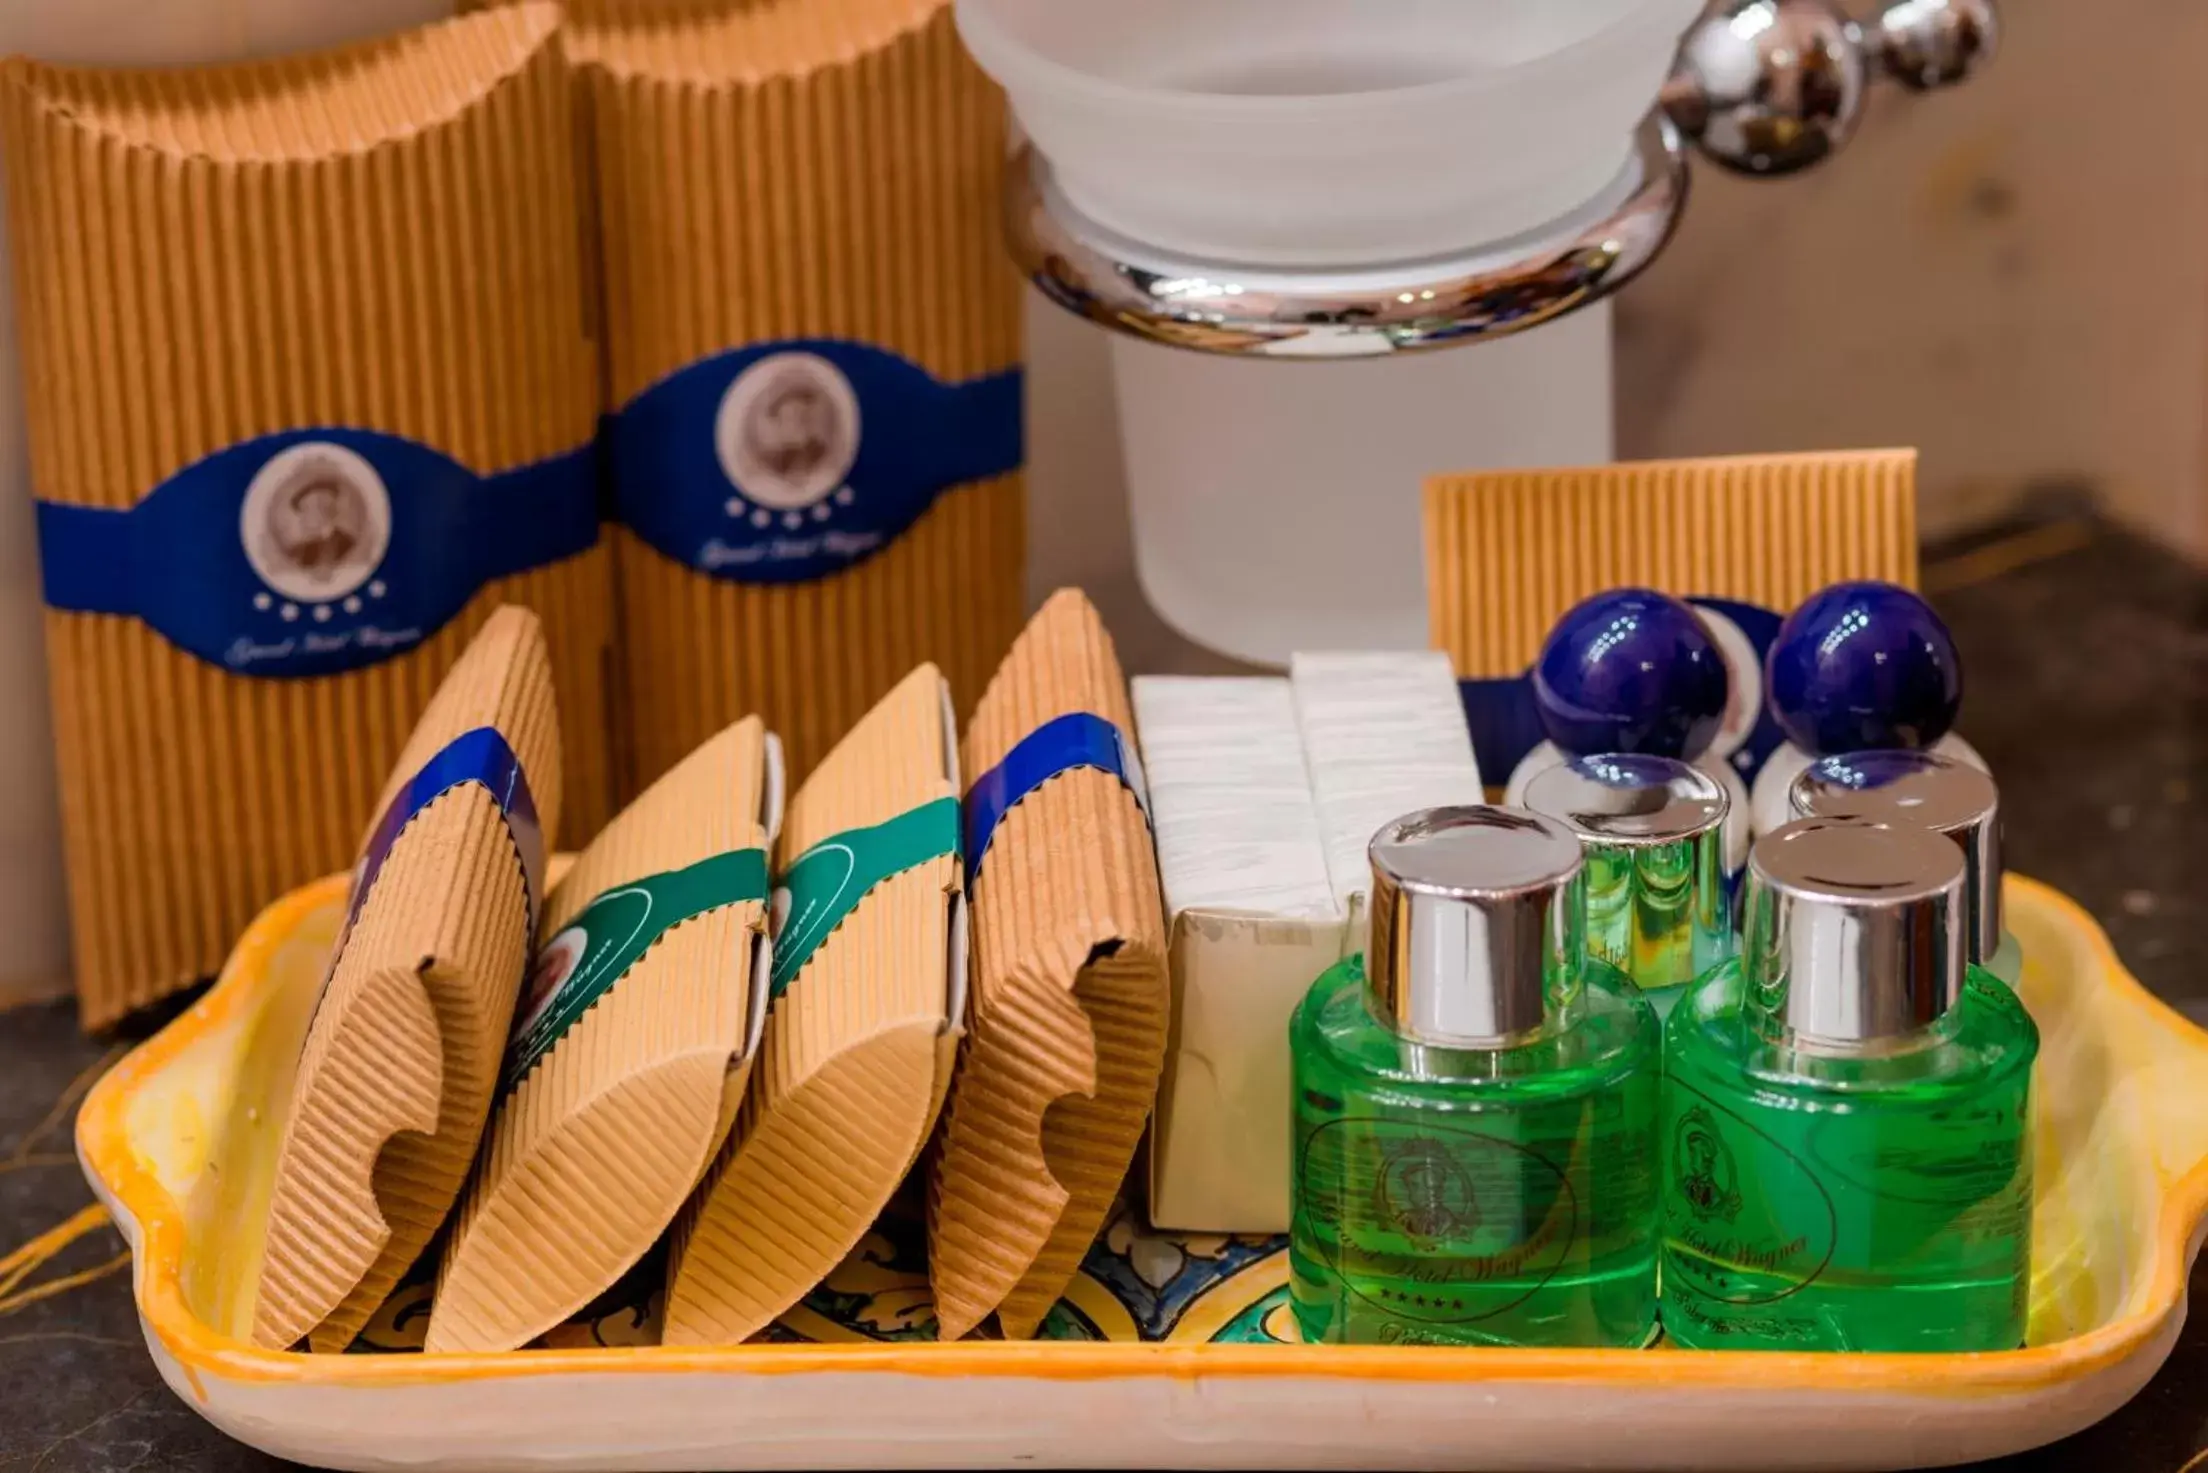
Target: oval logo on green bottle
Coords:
[[1749, 1223], [1436, 1223]]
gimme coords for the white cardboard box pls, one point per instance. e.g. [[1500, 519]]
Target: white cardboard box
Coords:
[[1253, 921], [1383, 735]]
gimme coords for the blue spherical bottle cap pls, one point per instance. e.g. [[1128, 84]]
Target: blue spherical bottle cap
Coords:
[[1862, 666], [1631, 670]]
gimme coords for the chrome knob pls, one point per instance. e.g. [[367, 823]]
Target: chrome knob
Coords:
[[1770, 87], [1924, 44]]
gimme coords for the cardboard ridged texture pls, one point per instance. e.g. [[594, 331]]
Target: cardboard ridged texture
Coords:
[[803, 170], [384, 238], [858, 1047], [1067, 1033], [402, 1057], [1509, 551], [596, 1146]]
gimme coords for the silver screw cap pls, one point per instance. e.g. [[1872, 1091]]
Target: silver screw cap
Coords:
[[1475, 930], [1653, 831], [1854, 931], [1925, 790]]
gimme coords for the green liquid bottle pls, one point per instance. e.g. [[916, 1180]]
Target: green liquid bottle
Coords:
[[1653, 832], [1474, 1158], [1925, 789], [1847, 1113]]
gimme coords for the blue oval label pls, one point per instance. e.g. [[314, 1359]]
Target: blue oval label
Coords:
[[313, 552], [788, 461]]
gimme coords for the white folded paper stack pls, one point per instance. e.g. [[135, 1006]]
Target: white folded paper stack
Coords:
[[1265, 793], [1252, 919], [1383, 735]]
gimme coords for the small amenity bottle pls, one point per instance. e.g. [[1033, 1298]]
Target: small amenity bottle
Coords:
[[1652, 830], [1857, 667], [1474, 1161], [1634, 670], [1848, 1113], [1927, 790]]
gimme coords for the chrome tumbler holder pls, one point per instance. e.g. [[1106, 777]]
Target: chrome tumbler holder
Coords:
[[1761, 87], [1282, 312]]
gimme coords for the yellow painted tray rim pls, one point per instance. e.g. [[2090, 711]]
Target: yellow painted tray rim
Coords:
[[155, 1223]]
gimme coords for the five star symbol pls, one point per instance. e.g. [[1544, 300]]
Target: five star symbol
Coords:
[[289, 612]]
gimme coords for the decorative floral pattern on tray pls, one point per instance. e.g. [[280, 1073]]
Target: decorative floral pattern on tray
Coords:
[[1135, 1284]]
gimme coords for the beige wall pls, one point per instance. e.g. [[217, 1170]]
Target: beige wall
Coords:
[[2012, 276]]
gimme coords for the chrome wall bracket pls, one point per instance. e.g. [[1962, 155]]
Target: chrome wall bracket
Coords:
[[1761, 87]]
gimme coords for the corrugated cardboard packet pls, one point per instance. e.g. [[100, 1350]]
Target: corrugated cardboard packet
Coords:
[[869, 1000], [814, 339], [1068, 1032], [629, 1054], [311, 390], [1252, 921], [402, 1056], [1746, 538]]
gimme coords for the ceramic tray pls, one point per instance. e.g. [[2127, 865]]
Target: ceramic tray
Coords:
[[1169, 1350]]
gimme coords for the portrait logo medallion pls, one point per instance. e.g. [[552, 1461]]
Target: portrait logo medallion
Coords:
[[1426, 1193], [554, 965], [1708, 1178], [788, 431], [316, 522]]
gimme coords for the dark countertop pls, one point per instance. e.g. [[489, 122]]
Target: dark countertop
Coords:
[[2087, 654]]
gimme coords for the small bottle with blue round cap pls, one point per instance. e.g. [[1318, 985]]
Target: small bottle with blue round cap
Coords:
[[1651, 829], [1858, 667], [1928, 790], [1847, 1119], [1634, 671], [1473, 1161]]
